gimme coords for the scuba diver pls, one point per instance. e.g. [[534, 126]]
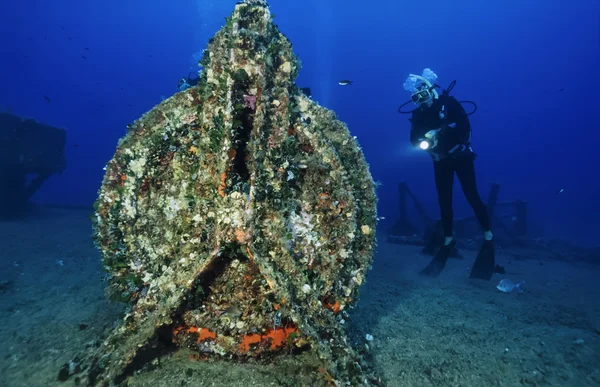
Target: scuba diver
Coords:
[[189, 81], [440, 126]]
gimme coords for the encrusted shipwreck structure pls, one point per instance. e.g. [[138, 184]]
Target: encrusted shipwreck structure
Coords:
[[30, 153], [238, 216]]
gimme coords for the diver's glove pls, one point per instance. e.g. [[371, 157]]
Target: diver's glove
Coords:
[[430, 140], [432, 134]]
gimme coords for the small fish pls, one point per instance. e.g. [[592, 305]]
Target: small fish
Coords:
[[508, 286], [83, 57], [345, 82], [47, 99], [86, 48], [560, 191], [232, 311]]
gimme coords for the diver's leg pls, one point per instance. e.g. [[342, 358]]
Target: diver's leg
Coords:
[[444, 180], [483, 268], [465, 171]]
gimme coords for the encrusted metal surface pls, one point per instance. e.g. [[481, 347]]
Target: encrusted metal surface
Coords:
[[239, 214]]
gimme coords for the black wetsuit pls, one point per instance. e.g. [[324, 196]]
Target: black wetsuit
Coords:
[[453, 154]]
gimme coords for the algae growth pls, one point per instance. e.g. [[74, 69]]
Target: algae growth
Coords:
[[236, 218]]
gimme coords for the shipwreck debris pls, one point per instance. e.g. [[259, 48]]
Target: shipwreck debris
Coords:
[[236, 218], [404, 231], [30, 152]]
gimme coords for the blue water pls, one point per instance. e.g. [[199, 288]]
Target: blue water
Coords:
[[530, 66]]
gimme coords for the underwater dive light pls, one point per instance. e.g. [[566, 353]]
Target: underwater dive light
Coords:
[[429, 141], [424, 144]]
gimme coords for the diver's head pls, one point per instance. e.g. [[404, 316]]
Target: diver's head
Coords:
[[422, 87], [421, 95]]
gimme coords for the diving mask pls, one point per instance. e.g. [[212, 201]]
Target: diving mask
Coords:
[[421, 96], [422, 87]]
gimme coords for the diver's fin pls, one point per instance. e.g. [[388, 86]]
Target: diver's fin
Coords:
[[438, 262], [484, 265]]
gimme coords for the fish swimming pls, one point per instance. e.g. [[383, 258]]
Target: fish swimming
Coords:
[[507, 286], [344, 82], [232, 311]]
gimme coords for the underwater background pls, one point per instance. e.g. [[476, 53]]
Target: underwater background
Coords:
[[531, 67], [93, 67]]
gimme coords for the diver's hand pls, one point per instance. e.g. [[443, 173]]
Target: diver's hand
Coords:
[[432, 137], [432, 134]]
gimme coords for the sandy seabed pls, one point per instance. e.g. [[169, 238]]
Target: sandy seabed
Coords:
[[448, 331]]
